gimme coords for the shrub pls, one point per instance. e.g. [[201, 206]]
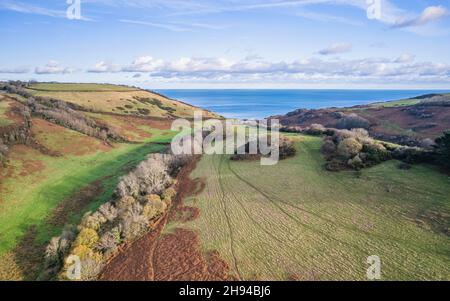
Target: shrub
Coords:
[[328, 148], [109, 241], [125, 202], [335, 165], [87, 237], [315, 129], [356, 163], [169, 195], [412, 155], [154, 206], [109, 211], [443, 149], [353, 121], [352, 149], [287, 148], [151, 176], [349, 148], [376, 152], [427, 143], [124, 218], [92, 221]]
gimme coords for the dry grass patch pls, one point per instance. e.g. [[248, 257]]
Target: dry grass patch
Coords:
[[65, 141]]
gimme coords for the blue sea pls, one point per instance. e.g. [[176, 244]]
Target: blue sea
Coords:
[[249, 104]]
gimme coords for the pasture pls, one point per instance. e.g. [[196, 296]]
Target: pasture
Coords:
[[4, 108], [117, 99], [296, 220], [40, 192]]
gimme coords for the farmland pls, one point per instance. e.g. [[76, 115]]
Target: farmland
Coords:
[[61, 175], [297, 221], [117, 99]]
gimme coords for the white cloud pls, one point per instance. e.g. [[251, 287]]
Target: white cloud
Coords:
[[104, 67], [402, 69], [430, 14], [53, 67], [18, 70], [144, 64], [405, 58], [336, 48]]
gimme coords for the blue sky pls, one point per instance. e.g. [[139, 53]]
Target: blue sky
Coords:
[[229, 43]]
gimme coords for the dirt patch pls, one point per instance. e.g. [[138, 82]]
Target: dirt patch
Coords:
[[29, 255], [173, 256], [135, 261], [178, 256], [21, 153], [13, 113]]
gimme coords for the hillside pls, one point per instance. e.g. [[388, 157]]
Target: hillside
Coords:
[[297, 221], [58, 161], [406, 121], [117, 99], [226, 220]]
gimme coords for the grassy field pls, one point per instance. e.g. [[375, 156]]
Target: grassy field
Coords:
[[80, 87], [397, 103], [4, 107], [117, 99], [295, 220], [137, 129], [33, 184]]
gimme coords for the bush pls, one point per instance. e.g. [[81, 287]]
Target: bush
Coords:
[[109, 211], [352, 149], [109, 241], [376, 152], [151, 176], [353, 121], [92, 221], [443, 150], [348, 148], [315, 129], [169, 195], [356, 163], [124, 218], [328, 148], [87, 237], [287, 148], [154, 206]]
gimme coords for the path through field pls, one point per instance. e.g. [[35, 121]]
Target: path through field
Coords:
[[297, 221]]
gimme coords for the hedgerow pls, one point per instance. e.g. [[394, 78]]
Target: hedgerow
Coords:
[[142, 197]]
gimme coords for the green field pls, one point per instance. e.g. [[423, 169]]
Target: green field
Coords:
[[80, 87], [33, 185], [4, 106], [397, 103], [296, 220], [28, 201]]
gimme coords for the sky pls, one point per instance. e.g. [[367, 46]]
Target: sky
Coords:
[[171, 44]]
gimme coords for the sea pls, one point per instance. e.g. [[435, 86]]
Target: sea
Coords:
[[258, 104]]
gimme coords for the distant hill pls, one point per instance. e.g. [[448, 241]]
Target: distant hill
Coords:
[[407, 121], [123, 100]]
